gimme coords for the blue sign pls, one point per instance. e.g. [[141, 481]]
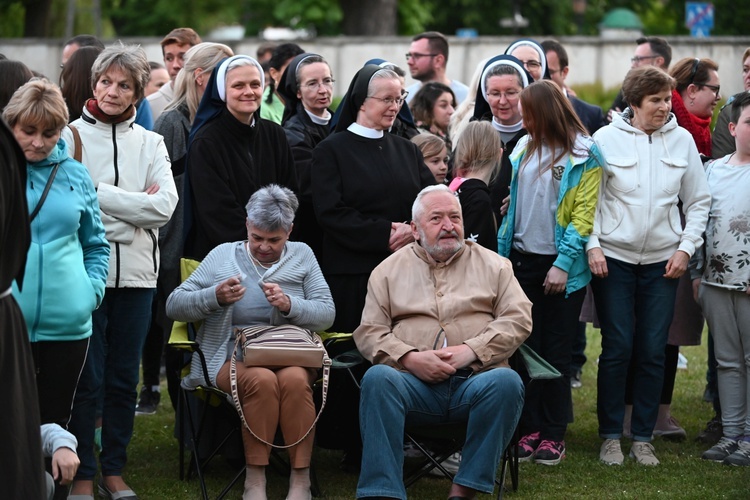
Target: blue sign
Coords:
[[699, 15]]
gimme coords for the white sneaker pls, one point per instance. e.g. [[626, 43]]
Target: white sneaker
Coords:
[[643, 453], [611, 453], [682, 362]]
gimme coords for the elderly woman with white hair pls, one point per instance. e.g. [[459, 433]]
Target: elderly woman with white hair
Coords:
[[262, 280], [232, 152]]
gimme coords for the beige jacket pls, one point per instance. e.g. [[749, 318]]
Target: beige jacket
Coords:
[[416, 304]]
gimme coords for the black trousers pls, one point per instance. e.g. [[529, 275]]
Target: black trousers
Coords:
[[58, 367], [548, 408]]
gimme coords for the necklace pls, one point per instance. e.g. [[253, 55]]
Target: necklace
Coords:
[[257, 263]]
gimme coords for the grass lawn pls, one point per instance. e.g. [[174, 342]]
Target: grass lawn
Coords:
[[153, 469]]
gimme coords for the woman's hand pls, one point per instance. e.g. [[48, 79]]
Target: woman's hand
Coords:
[[152, 189], [555, 281], [696, 287], [505, 205], [400, 236], [677, 265], [276, 297], [229, 292], [597, 262]]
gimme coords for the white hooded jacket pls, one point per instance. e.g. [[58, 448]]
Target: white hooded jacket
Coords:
[[124, 159], [645, 176]]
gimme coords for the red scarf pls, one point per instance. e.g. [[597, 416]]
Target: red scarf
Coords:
[[699, 128], [93, 107]]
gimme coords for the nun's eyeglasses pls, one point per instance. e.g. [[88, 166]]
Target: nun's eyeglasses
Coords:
[[314, 86], [390, 101]]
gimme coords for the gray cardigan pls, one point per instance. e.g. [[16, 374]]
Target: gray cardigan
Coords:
[[297, 273]]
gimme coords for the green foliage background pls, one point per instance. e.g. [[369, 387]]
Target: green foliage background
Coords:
[[324, 17]]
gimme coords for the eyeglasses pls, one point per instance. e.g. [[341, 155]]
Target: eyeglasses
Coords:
[[637, 59], [390, 101], [417, 55], [509, 95], [314, 86], [715, 88], [532, 64]]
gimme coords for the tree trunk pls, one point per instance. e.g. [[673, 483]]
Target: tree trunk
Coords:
[[36, 23], [369, 17]]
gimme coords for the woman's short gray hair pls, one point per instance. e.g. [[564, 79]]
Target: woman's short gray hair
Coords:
[[271, 208], [129, 58]]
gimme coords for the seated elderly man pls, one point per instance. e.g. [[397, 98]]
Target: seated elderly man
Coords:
[[441, 319]]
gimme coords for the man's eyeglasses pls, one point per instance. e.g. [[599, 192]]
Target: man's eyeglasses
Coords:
[[509, 95], [390, 101], [417, 55], [637, 59], [532, 64], [314, 86]]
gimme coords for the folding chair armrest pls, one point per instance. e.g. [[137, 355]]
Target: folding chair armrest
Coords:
[[536, 366]]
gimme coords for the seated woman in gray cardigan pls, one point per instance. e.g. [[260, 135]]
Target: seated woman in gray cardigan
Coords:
[[264, 280]]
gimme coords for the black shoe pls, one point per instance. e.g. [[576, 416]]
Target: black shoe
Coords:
[[148, 401], [712, 433]]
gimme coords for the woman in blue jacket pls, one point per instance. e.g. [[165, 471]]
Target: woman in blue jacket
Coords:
[[66, 266]]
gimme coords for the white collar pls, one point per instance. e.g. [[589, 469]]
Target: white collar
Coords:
[[506, 128], [320, 120], [361, 130]]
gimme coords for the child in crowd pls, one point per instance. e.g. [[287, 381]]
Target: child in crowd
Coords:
[[478, 156], [59, 445], [435, 153], [723, 288]]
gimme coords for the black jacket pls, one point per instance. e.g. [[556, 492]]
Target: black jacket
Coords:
[[227, 162]]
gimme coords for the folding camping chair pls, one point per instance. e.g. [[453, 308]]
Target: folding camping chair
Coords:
[[209, 403], [448, 438]]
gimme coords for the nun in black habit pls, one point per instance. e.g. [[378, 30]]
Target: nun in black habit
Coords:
[[364, 181], [307, 89], [21, 465], [504, 115], [232, 153]]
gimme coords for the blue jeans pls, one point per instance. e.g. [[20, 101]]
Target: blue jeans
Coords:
[[120, 327], [635, 304], [490, 402]]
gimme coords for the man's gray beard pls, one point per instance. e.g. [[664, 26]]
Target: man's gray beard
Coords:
[[439, 254]]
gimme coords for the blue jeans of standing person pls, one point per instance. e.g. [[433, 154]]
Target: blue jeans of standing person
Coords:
[[635, 303], [120, 327], [490, 402]]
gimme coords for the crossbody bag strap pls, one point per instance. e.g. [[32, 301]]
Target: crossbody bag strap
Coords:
[[47, 187], [236, 399], [77, 145]]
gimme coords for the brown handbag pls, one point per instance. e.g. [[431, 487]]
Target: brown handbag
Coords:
[[278, 347]]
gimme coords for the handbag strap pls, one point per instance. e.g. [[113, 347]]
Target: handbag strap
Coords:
[[77, 147], [235, 397], [45, 192]]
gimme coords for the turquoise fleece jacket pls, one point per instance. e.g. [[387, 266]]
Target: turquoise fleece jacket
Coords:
[[67, 263], [576, 208]]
